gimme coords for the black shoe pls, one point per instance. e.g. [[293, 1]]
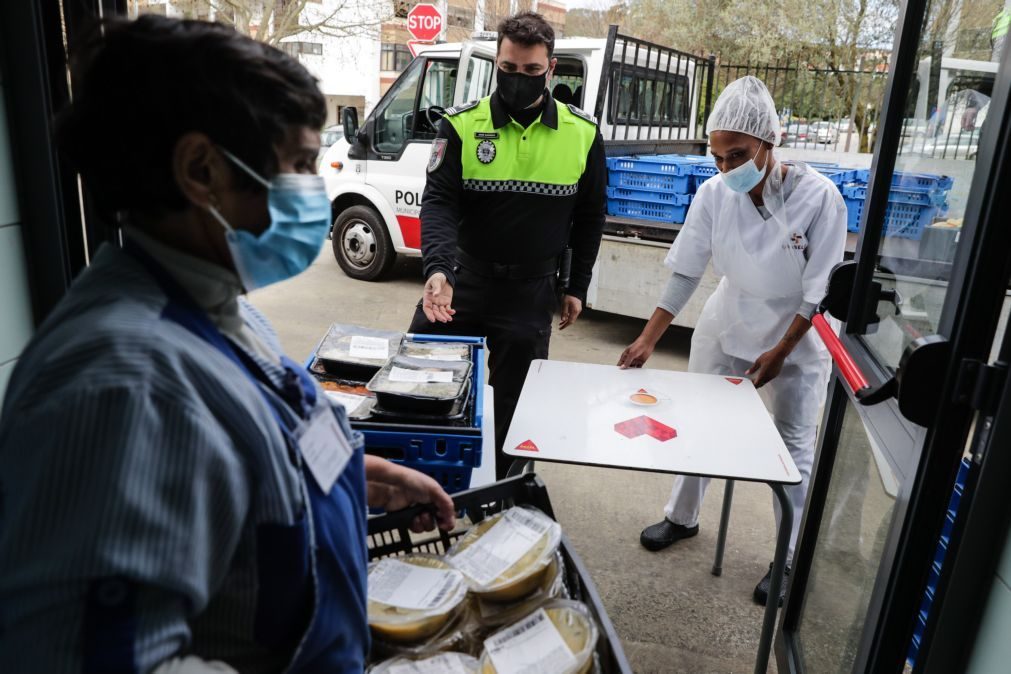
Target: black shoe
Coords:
[[659, 536], [761, 594]]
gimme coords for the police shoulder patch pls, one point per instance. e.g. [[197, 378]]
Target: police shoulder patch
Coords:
[[438, 154], [463, 107], [581, 114]]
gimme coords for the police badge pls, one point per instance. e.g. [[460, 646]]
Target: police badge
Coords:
[[486, 152], [438, 154]]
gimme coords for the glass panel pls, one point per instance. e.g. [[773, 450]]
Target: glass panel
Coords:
[[858, 512], [947, 106], [393, 123], [478, 82], [437, 91]]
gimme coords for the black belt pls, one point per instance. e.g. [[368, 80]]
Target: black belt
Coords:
[[511, 272]]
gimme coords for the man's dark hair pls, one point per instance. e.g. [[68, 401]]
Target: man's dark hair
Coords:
[[141, 85], [529, 29]]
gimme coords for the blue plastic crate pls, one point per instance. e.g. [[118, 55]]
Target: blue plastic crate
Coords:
[[901, 196], [673, 198], [640, 180], [449, 459], [839, 176], [671, 166], [918, 182], [702, 173], [650, 210], [904, 221]]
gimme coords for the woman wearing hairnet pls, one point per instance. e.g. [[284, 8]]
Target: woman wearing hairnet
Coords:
[[773, 232]]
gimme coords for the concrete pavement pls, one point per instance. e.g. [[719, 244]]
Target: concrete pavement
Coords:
[[671, 613]]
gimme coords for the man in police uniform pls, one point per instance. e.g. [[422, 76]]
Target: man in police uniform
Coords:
[[513, 180]]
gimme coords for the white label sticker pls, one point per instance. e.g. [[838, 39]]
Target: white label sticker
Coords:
[[501, 546], [445, 356], [408, 586], [375, 348], [443, 663], [421, 376], [532, 646], [349, 401], [324, 448]]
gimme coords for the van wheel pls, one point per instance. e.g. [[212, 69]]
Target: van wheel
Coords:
[[361, 244]]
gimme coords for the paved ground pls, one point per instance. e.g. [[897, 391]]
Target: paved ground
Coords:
[[672, 615]]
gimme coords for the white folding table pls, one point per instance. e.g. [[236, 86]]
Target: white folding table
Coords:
[[702, 425]]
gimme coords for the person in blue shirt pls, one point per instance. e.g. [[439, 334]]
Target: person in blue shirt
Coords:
[[175, 494]]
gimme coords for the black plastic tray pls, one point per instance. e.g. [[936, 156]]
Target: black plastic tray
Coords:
[[390, 535]]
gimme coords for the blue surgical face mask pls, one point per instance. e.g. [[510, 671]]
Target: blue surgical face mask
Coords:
[[299, 221], [746, 176]]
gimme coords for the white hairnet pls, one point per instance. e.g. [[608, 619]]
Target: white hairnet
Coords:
[[746, 106]]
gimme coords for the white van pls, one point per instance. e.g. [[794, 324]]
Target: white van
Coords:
[[648, 100]]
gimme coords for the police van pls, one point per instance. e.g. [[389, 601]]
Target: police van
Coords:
[[647, 99]]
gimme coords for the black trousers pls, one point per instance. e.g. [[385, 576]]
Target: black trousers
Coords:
[[515, 319]]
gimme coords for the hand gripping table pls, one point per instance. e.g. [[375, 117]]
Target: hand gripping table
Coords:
[[702, 425]]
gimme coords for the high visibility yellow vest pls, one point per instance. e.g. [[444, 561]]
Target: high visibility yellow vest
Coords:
[[536, 159]]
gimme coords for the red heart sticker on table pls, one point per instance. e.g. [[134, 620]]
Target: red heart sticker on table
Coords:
[[734, 380], [643, 425], [528, 446]]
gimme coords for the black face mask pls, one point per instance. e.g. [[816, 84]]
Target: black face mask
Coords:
[[519, 91]]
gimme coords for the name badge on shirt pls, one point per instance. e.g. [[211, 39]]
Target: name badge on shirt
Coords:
[[324, 448]]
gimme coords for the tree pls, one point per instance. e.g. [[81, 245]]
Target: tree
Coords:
[[272, 21]]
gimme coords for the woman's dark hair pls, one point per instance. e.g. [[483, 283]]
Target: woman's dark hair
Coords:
[[141, 85], [529, 29]]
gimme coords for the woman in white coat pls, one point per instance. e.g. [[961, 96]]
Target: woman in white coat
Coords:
[[773, 233]]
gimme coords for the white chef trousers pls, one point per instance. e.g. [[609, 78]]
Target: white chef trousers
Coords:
[[794, 399]]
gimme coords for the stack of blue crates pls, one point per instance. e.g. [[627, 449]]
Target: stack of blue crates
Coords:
[[661, 188], [657, 187]]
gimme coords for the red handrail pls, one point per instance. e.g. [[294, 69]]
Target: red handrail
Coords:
[[847, 367]]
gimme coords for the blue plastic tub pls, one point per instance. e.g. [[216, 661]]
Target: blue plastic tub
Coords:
[[904, 221], [901, 196], [674, 198], [918, 182], [447, 453], [639, 180], [673, 165], [673, 211]]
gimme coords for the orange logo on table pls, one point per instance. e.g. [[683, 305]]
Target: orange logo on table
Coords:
[[734, 380], [528, 446]]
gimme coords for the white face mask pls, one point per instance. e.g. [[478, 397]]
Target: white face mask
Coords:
[[746, 176]]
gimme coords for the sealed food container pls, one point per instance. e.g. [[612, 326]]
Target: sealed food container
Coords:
[[355, 352], [428, 350], [411, 598], [506, 556], [558, 638], [439, 663], [461, 634], [420, 385], [493, 615]]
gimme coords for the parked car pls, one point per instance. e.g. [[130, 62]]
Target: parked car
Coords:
[[824, 132], [795, 134], [328, 137]]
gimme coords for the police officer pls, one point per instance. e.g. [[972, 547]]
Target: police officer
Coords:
[[513, 180]]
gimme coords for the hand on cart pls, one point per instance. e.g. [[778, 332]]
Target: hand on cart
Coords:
[[392, 487]]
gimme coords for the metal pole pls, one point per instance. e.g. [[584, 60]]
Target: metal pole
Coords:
[[721, 536], [709, 93], [853, 107], [777, 580]]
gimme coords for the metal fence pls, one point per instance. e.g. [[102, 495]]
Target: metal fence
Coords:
[[827, 109]]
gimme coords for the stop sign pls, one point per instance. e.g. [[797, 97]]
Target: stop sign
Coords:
[[424, 22]]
